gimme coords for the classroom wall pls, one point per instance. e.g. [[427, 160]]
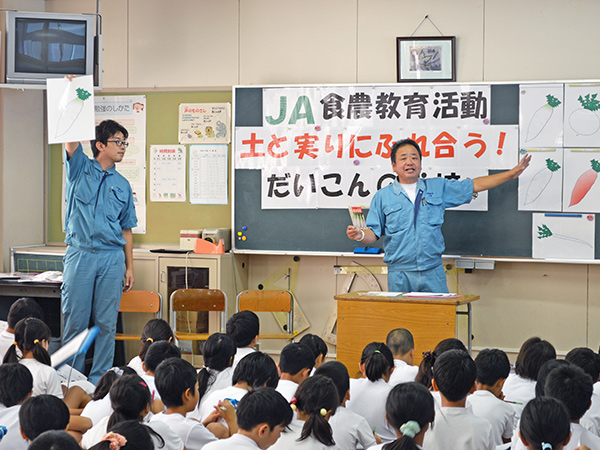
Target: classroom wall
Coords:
[[152, 45]]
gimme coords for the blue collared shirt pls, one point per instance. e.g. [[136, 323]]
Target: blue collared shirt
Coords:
[[99, 204], [419, 245]]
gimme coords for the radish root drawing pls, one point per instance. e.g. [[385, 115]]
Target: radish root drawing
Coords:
[[584, 183], [69, 114], [585, 121], [541, 117], [539, 181], [545, 232]]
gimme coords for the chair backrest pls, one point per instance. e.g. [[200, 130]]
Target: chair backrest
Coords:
[[142, 302], [265, 300], [198, 300]]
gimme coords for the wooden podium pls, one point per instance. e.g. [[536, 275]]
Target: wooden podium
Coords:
[[364, 318]]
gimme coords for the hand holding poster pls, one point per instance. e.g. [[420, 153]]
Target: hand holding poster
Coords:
[[70, 109]]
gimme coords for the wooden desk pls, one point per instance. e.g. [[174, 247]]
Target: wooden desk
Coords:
[[363, 319]]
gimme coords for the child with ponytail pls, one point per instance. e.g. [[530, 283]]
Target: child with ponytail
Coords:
[[218, 352], [368, 395], [32, 337], [316, 400], [545, 424], [155, 330], [409, 410]]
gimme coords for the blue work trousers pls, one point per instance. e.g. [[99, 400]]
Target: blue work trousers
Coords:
[[432, 280], [92, 287]]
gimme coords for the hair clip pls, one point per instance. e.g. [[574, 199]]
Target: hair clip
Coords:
[[37, 341], [546, 446], [323, 412], [118, 371], [293, 402], [410, 429], [376, 351], [150, 339], [116, 440], [15, 344], [143, 383]]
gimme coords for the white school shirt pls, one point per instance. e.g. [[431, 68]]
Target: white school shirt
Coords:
[[380, 447], [597, 387], [350, 430], [149, 380], [213, 399], [240, 353], [591, 418], [9, 418], [520, 390], [193, 434], [45, 378], [461, 428], [579, 436], [287, 388], [500, 414], [136, 364], [235, 442], [367, 398], [220, 380], [403, 373], [289, 440], [96, 410]]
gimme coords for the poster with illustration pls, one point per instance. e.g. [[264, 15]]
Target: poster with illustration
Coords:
[[70, 108], [204, 123], [582, 115], [541, 115], [563, 236], [540, 186], [581, 186]]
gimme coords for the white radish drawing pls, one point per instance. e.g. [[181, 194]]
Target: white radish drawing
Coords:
[[71, 111], [545, 232], [539, 181], [541, 117], [585, 121]]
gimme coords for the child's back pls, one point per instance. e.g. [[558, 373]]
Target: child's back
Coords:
[[16, 383]]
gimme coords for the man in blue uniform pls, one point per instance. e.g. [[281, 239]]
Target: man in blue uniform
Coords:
[[98, 263], [409, 214]]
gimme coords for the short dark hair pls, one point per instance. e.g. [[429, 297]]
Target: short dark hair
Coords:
[[129, 396], [545, 419], [296, 357], [173, 377], [107, 380], [425, 373], [546, 368], [400, 341], [338, 373], [587, 359], [572, 386], [378, 360], [263, 405], [104, 131], [243, 327], [257, 369], [15, 384], [155, 330], [54, 440], [314, 394], [406, 402], [218, 352], [454, 373], [402, 143], [492, 365], [533, 354], [158, 352], [42, 413], [315, 343], [22, 309]]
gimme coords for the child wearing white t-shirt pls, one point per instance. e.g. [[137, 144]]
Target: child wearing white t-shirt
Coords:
[[218, 352], [16, 384], [243, 327], [295, 363], [22, 308], [402, 344], [155, 330]]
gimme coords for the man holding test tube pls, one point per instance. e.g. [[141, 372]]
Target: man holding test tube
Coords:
[[409, 214]]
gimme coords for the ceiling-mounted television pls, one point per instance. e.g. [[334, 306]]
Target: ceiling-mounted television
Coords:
[[48, 45]]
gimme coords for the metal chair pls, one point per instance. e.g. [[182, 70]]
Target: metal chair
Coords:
[[269, 301], [139, 302], [197, 300]]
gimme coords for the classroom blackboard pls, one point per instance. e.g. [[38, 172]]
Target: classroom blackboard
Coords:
[[502, 231]]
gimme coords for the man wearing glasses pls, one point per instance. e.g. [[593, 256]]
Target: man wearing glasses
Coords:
[[98, 263]]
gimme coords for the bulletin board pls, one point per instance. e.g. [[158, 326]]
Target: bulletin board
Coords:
[[501, 229]]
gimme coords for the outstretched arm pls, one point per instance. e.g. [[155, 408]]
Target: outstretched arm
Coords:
[[491, 181], [356, 235]]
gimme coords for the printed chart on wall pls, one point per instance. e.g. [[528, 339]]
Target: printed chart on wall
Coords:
[[208, 174], [329, 146], [167, 173], [563, 236]]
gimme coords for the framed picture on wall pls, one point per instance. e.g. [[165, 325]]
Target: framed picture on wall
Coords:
[[426, 59]]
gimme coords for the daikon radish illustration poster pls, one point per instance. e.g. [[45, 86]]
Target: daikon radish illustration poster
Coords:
[[70, 109], [581, 185], [582, 115], [541, 115], [563, 236], [540, 186]]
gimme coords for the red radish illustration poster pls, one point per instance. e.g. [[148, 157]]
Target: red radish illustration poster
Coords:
[[540, 186], [563, 236], [70, 109], [541, 109], [582, 115], [581, 185]]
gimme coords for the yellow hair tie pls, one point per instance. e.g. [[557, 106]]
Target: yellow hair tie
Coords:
[[15, 344], [323, 412], [294, 407], [37, 341], [150, 339]]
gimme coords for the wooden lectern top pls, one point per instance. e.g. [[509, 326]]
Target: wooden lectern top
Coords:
[[364, 296]]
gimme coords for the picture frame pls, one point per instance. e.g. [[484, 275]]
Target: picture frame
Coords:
[[426, 59]]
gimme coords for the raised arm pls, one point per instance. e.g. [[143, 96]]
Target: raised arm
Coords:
[[491, 181], [70, 147]]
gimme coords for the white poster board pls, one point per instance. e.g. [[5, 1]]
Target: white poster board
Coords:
[[540, 186], [70, 108], [541, 115], [563, 236]]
